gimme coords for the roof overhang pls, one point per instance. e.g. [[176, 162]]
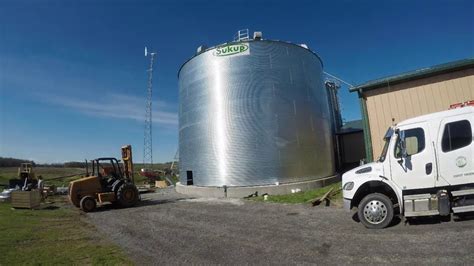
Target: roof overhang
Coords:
[[414, 75]]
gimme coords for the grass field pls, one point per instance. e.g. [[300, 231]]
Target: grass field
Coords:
[[305, 196], [54, 234]]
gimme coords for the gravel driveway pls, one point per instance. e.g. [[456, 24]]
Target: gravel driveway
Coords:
[[169, 228]]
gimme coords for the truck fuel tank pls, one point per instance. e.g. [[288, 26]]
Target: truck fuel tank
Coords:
[[444, 207]]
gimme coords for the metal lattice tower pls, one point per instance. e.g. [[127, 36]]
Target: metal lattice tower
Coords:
[[148, 139]]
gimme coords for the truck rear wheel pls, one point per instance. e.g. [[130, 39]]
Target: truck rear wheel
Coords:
[[375, 211], [127, 195], [88, 204]]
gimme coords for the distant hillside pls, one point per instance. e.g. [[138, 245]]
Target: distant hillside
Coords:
[[11, 162], [14, 162]]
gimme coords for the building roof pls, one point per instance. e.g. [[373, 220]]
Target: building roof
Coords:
[[351, 127], [416, 74]]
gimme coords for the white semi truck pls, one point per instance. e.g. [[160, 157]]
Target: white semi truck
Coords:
[[426, 168]]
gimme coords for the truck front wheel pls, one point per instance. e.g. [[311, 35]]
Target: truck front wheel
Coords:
[[375, 211]]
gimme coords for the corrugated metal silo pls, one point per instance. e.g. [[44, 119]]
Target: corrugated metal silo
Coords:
[[254, 113]]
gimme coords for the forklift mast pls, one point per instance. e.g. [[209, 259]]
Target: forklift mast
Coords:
[[128, 162]]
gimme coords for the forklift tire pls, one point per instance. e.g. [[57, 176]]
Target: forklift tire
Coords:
[[127, 195], [88, 204], [116, 185], [375, 211]]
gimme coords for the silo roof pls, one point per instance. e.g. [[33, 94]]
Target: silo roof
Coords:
[[416, 74], [251, 40]]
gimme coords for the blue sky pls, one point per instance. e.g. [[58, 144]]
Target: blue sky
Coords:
[[72, 73]]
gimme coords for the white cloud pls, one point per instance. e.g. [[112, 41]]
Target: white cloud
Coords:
[[119, 106]]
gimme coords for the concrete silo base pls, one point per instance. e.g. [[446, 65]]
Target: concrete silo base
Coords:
[[240, 192]]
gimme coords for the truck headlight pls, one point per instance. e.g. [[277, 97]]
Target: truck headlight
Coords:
[[348, 186]]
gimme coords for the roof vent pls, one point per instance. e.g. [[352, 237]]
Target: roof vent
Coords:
[[201, 49], [257, 35]]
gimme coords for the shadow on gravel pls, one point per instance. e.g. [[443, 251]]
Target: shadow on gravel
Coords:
[[463, 217], [158, 202], [142, 203], [50, 208], [427, 220]]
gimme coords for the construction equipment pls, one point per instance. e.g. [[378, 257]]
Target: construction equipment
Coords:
[[25, 171], [106, 183]]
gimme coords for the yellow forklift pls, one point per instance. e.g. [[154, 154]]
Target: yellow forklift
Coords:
[[107, 182]]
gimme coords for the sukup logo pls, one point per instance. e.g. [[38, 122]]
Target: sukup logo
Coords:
[[461, 161], [232, 49]]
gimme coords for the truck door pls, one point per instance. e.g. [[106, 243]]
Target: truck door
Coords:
[[417, 168], [455, 149]]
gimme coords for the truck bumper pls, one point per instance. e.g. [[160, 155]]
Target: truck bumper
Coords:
[[347, 205]]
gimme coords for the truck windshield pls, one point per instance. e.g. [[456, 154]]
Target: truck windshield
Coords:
[[386, 138]]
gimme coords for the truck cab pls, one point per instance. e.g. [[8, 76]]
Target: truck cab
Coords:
[[425, 169]]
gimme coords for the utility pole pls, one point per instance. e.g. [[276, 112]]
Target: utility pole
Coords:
[[148, 138]]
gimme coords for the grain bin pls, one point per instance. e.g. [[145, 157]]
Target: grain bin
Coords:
[[251, 113]]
